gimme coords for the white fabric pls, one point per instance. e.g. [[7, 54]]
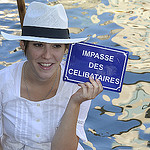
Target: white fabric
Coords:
[[29, 125], [41, 15]]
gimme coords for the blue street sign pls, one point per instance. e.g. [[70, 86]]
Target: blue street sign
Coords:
[[106, 64]]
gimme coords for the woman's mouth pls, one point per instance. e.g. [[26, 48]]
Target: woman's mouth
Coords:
[[45, 66]]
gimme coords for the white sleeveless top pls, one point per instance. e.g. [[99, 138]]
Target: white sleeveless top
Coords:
[[29, 125]]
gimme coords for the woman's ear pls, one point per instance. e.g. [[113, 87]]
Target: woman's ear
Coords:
[[22, 45]]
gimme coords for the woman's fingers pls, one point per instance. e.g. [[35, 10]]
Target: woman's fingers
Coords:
[[91, 89], [84, 90], [97, 86]]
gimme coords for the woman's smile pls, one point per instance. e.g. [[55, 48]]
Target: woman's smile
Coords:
[[46, 66]]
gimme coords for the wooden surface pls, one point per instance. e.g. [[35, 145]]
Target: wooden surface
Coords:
[[21, 10]]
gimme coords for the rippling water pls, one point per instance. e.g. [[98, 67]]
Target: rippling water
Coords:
[[116, 120]]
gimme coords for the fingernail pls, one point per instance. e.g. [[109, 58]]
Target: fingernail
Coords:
[[97, 80], [90, 77]]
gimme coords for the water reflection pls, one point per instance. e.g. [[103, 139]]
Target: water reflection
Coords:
[[116, 120]]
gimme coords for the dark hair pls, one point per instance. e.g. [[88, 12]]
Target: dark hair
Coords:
[[26, 43]]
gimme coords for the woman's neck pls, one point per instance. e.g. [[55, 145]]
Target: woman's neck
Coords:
[[36, 90]]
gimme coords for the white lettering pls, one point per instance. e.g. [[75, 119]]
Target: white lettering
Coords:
[[96, 66], [101, 67], [92, 75], [101, 56], [86, 74], [117, 81], [70, 71], [98, 56], [107, 79], [75, 72], [111, 58], [91, 65], [100, 78], [107, 57], [92, 54], [112, 80], [85, 53], [79, 74]]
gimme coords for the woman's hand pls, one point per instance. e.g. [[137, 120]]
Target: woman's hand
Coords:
[[88, 90]]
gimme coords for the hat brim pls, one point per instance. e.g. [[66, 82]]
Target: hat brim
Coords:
[[40, 39]]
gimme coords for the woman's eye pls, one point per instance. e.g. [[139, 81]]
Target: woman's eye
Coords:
[[57, 45], [38, 44]]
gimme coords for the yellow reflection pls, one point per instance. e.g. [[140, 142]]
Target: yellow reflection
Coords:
[[130, 139], [106, 98], [8, 1], [90, 145], [4, 63], [103, 37], [110, 114], [16, 49], [75, 30], [134, 99], [95, 19]]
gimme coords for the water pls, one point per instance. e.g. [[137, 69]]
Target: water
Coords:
[[116, 120]]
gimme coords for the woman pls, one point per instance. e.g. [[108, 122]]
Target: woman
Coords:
[[38, 110]]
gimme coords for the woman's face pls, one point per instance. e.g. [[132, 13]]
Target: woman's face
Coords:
[[43, 58]]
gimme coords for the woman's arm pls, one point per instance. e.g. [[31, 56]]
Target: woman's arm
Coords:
[[0, 146], [65, 137]]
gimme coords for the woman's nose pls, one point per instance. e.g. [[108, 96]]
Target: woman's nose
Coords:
[[48, 52]]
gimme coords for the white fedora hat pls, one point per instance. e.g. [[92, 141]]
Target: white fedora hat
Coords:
[[45, 24]]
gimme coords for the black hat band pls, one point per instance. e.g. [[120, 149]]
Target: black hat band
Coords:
[[45, 32]]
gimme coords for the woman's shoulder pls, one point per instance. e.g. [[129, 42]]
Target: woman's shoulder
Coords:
[[11, 67], [9, 71]]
